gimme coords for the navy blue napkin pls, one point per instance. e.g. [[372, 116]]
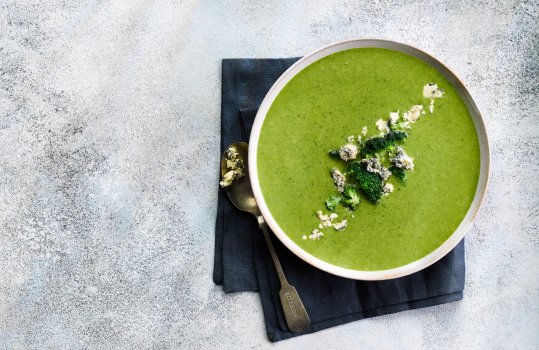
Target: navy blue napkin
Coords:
[[242, 261]]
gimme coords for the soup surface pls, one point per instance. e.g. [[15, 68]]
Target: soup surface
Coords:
[[334, 98]]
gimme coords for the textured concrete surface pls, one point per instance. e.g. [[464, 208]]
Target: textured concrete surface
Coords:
[[109, 133]]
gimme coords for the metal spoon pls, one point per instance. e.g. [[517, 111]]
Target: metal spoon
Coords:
[[241, 195]]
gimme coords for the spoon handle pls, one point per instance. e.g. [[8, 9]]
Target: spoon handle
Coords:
[[295, 314]]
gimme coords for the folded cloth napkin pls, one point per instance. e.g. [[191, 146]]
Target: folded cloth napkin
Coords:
[[242, 260]]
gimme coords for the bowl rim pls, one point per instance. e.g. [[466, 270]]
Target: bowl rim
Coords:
[[482, 183]]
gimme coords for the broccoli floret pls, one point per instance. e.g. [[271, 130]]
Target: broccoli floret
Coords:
[[400, 173], [373, 145], [351, 198], [377, 144], [396, 135], [371, 184], [331, 202], [334, 153]]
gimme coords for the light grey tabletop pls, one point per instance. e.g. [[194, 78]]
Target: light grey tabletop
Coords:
[[109, 131]]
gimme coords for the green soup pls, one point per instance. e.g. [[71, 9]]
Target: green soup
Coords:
[[334, 98]]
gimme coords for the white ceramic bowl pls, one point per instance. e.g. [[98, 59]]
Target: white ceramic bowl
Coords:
[[459, 233]]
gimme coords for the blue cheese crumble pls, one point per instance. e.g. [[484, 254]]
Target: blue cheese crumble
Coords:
[[413, 114], [394, 117], [326, 220], [234, 166], [432, 91], [382, 126], [348, 152], [339, 226], [374, 166], [364, 131], [316, 234], [388, 188], [403, 160], [339, 179]]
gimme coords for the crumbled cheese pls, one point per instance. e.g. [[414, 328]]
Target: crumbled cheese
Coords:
[[326, 217], [316, 234], [304, 237], [404, 125], [325, 221], [413, 114], [348, 152], [232, 153], [350, 139], [231, 164], [394, 117], [431, 90], [228, 177], [382, 125], [231, 176], [339, 179], [339, 226], [403, 160], [364, 131], [234, 165], [388, 188], [321, 216], [431, 106], [374, 166]]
